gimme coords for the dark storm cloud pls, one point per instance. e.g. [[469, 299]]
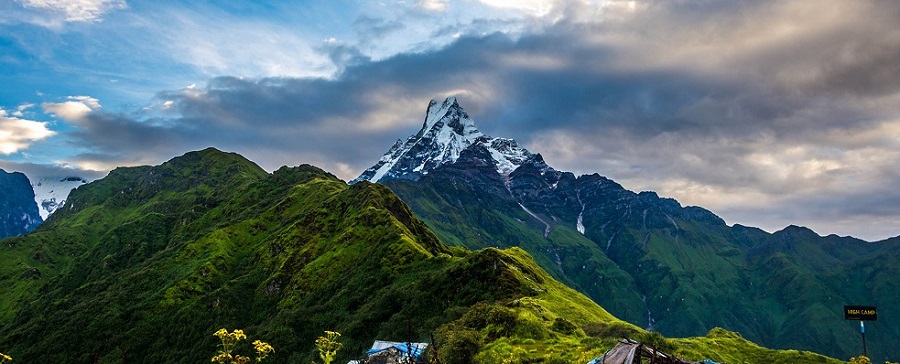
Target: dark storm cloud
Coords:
[[114, 134], [753, 102]]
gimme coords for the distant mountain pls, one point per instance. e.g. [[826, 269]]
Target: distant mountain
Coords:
[[18, 213], [143, 265], [50, 192], [647, 259], [447, 131]]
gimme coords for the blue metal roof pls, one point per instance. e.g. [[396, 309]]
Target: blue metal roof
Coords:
[[415, 349]]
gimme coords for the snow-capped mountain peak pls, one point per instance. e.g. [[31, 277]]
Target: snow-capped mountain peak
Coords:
[[447, 131], [449, 116]]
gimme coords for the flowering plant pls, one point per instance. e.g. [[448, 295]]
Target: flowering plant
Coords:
[[328, 346], [229, 339]]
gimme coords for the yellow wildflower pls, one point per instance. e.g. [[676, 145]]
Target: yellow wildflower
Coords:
[[238, 335], [262, 347], [229, 340], [328, 346], [221, 333], [222, 358]]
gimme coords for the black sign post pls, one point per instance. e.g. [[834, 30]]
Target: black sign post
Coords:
[[861, 313]]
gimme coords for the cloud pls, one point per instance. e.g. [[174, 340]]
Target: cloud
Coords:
[[792, 122], [369, 29], [432, 5], [536, 7], [18, 134], [76, 10], [35, 171], [217, 42], [20, 110], [75, 110]]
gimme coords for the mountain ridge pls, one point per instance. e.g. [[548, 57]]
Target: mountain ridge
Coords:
[[291, 213], [147, 262], [677, 269]]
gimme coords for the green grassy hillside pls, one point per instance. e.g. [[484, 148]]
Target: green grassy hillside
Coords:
[[144, 265], [658, 265]]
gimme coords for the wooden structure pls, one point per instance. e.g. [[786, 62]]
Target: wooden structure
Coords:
[[632, 352]]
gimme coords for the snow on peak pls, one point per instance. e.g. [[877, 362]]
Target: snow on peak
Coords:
[[51, 192], [507, 154], [446, 132]]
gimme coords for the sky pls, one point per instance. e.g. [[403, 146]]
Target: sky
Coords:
[[768, 113]]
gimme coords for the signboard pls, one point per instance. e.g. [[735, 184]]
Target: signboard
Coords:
[[861, 313]]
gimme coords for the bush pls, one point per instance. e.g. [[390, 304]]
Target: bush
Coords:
[[564, 326], [550, 359], [530, 330], [499, 321], [458, 346], [612, 330], [656, 340]]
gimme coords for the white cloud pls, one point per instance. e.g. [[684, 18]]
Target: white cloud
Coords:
[[88, 101], [218, 43], [97, 165], [536, 7], [73, 110], [432, 5], [34, 171], [21, 109], [77, 10], [17, 134]]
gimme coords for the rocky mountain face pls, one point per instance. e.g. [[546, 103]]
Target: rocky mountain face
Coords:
[[648, 259], [18, 213]]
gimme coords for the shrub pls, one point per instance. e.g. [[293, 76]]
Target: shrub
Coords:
[[530, 330], [550, 359], [458, 346], [604, 330], [564, 326], [656, 340]]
